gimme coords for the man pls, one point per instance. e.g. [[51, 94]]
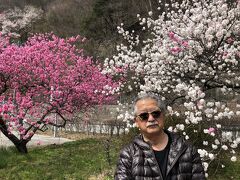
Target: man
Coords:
[[157, 153]]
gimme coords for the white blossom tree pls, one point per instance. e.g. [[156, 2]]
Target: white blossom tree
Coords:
[[192, 51], [17, 22]]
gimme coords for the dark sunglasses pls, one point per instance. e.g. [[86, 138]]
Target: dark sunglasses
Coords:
[[144, 116]]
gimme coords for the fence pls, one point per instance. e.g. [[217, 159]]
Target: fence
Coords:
[[117, 128], [111, 128], [234, 129]]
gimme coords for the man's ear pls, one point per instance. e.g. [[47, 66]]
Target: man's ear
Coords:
[[135, 121], [137, 125]]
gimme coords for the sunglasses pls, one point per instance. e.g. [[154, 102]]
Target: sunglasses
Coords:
[[144, 116]]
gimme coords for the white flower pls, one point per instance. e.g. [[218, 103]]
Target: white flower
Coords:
[[202, 152], [180, 127], [170, 110], [170, 129], [205, 131], [234, 158], [219, 126], [218, 104], [210, 104], [234, 145], [211, 156], [224, 147], [214, 146], [216, 141], [227, 136], [205, 166], [120, 116], [134, 125], [205, 143], [126, 130]]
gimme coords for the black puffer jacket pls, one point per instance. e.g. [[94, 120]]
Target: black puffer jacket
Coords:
[[137, 161]]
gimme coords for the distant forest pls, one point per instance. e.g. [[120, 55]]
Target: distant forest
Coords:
[[97, 20]]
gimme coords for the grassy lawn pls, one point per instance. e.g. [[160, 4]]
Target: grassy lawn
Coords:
[[230, 171], [83, 159], [75, 160]]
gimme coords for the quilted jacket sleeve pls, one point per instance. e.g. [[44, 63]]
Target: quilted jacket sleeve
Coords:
[[198, 172], [124, 165]]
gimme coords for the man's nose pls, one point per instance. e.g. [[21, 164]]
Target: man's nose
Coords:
[[151, 118]]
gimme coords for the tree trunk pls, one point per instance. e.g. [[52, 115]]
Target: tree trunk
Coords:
[[22, 148], [150, 5], [20, 144]]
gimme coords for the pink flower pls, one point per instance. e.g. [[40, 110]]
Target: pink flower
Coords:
[[118, 69], [5, 107], [171, 35], [211, 130], [230, 40], [225, 54], [6, 117], [39, 143], [84, 39], [175, 50], [185, 43]]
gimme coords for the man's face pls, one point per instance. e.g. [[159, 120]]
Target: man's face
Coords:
[[152, 120]]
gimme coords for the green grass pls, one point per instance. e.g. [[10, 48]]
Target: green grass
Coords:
[[77, 160], [230, 171]]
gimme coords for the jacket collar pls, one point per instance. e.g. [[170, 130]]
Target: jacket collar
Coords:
[[141, 143], [177, 141]]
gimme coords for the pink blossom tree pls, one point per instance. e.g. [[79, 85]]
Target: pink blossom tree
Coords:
[[191, 58], [47, 75]]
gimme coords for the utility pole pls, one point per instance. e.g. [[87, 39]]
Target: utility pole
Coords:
[[55, 128], [55, 115]]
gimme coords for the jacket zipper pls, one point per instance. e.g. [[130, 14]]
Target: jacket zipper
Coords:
[[156, 163], [175, 160]]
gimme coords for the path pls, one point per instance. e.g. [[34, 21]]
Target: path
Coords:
[[35, 141]]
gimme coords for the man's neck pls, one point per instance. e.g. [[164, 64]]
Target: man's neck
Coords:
[[158, 142]]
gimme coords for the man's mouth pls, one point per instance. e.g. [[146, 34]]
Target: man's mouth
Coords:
[[152, 125]]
